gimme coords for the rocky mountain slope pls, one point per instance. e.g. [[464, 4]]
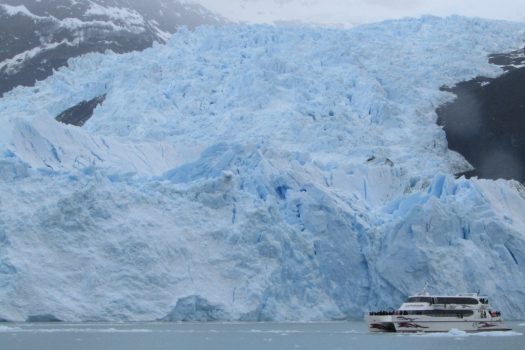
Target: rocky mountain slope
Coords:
[[486, 123], [40, 36]]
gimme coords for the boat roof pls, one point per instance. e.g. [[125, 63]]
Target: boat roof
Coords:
[[461, 295]]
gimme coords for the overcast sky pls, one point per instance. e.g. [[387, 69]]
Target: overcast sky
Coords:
[[350, 12]]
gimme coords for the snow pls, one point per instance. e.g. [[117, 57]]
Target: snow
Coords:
[[75, 24], [163, 35], [255, 173], [12, 65], [18, 10], [118, 18]]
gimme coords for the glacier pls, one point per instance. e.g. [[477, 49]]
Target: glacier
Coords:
[[255, 173]]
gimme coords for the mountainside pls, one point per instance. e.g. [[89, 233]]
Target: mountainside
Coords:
[[486, 123], [255, 173], [39, 36]]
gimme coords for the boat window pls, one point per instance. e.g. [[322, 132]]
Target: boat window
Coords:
[[448, 313], [456, 300], [419, 300], [440, 313]]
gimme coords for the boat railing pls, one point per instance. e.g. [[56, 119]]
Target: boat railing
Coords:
[[381, 313]]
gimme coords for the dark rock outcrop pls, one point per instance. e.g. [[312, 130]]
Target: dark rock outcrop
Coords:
[[486, 123], [80, 113], [509, 61]]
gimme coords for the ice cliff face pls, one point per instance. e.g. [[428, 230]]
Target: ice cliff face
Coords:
[[255, 173], [40, 36]]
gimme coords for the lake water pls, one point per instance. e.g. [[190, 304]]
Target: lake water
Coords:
[[245, 336]]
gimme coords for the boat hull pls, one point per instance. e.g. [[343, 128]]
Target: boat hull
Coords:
[[380, 323], [412, 325]]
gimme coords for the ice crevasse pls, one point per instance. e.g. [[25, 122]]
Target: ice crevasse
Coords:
[[255, 173]]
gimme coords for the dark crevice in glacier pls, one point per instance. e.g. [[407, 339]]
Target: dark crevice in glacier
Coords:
[[281, 191], [234, 214], [512, 255], [486, 123], [466, 232]]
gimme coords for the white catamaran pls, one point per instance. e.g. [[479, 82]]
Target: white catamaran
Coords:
[[434, 313]]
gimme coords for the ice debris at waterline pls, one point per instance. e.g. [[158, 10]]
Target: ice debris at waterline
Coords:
[[456, 333], [255, 173]]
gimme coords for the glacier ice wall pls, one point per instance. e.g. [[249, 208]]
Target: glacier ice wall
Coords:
[[255, 173]]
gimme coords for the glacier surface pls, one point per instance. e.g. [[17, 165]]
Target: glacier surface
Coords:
[[255, 173]]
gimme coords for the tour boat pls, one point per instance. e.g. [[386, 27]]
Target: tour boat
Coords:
[[467, 312]]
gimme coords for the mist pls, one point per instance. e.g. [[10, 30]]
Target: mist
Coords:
[[346, 13]]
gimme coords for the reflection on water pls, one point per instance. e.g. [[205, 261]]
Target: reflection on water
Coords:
[[331, 335]]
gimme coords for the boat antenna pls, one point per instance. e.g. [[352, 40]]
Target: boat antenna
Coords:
[[424, 291]]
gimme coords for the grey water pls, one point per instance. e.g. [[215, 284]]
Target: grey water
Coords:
[[246, 336]]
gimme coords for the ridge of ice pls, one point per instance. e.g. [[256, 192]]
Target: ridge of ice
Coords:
[[272, 173]]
